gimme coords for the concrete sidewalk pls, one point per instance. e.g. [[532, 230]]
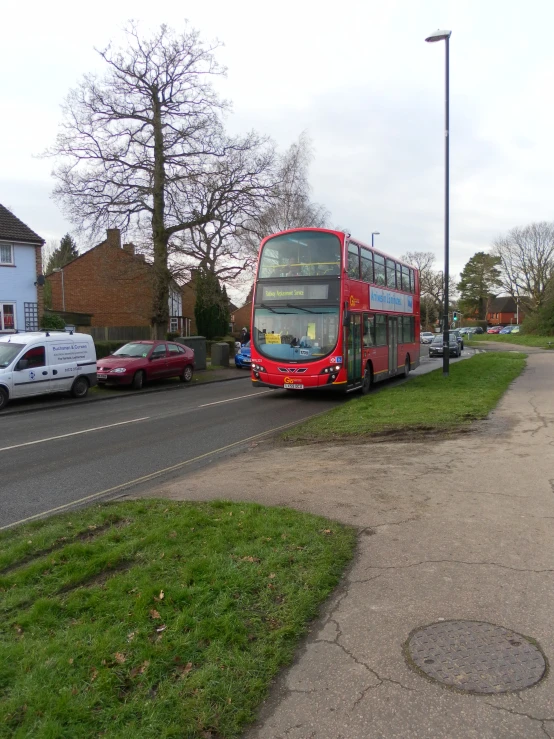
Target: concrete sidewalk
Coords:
[[455, 529]]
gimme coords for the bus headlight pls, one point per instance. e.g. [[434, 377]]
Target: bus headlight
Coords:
[[258, 368]]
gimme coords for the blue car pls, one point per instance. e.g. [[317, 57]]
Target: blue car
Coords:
[[243, 358]]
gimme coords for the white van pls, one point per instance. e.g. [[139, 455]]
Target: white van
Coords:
[[46, 362]]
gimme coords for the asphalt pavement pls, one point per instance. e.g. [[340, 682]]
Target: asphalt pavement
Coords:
[[75, 453]]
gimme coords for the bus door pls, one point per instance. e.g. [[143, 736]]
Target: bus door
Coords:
[[393, 345], [355, 349]]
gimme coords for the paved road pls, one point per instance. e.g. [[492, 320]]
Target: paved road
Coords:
[[52, 459]]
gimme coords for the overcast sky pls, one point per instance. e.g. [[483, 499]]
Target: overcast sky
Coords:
[[357, 75]]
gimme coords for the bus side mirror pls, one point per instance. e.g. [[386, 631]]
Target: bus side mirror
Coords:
[[346, 319]]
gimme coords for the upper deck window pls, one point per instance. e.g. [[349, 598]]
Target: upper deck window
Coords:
[[301, 254]]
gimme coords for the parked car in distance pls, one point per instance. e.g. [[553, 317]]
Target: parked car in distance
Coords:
[[506, 330], [140, 361], [436, 348], [478, 330], [516, 330], [426, 337], [459, 337], [494, 330], [243, 357], [467, 331]]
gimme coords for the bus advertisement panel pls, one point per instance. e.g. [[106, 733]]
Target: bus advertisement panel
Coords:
[[330, 312]]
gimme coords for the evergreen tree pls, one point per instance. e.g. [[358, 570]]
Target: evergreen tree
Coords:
[[65, 253], [479, 282], [211, 309]]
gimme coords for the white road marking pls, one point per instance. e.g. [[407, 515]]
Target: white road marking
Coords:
[[230, 400], [74, 433]]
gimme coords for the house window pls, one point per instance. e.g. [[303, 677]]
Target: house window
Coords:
[[6, 254], [7, 316], [174, 325]]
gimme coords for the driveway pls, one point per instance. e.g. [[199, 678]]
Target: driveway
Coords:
[[459, 528]]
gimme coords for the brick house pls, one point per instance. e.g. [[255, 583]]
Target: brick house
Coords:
[[504, 311], [21, 298], [242, 317], [113, 284]]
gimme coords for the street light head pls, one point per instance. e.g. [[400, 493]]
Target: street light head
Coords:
[[57, 269], [439, 36], [375, 233]]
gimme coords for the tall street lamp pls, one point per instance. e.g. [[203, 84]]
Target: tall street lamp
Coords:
[[445, 36], [374, 233], [60, 269]]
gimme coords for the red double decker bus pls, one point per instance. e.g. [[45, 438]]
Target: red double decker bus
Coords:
[[331, 312]]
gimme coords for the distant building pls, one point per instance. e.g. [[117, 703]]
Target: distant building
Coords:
[[21, 299], [503, 312]]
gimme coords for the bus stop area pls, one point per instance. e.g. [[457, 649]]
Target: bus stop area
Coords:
[[455, 536]]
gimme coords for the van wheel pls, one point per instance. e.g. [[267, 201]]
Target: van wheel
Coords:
[[80, 387], [187, 374], [407, 367], [367, 380], [3, 398], [138, 380]]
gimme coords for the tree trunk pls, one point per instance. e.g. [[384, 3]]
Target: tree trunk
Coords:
[[162, 277]]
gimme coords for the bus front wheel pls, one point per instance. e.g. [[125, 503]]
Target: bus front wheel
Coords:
[[407, 367]]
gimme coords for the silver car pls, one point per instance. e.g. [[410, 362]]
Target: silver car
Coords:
[[426, 337]]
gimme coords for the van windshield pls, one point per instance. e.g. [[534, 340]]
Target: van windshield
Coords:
[[8, 352]]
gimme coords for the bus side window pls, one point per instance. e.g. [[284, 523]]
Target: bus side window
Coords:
[[369, 330], [380, 330], [367, 265], [379, 269], [391, 273], [353, 261], [406, 279], [412, 281]]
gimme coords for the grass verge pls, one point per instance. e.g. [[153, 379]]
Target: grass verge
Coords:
[[155, 618], [429, 402], [517, 339]]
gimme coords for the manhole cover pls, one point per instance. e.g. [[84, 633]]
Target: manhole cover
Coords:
[[476, 657]]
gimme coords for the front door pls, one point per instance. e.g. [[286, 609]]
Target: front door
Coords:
[[157, 367], [31, 375], [355, 349], [393, 345]]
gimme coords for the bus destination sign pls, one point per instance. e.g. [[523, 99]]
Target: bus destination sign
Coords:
[[295, 292]]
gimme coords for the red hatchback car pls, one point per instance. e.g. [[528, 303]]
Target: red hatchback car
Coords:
[[495, 330], [140, 361]]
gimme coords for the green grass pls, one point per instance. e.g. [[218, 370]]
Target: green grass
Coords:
[[426, 403], [518, 339], [155, 618]]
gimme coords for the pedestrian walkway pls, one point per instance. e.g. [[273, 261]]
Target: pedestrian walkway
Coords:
[[453, 530]]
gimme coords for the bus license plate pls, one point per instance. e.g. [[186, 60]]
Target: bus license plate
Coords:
[[295, 386]]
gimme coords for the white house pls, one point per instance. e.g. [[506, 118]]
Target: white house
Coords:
[[20, 266]]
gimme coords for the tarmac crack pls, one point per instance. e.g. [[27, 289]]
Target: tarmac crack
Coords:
[[543, 421], [460, 562], [542, 721], [375, 674]]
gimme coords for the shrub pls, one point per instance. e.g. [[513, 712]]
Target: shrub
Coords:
[[103, 348], [172, 335], [52, 320]]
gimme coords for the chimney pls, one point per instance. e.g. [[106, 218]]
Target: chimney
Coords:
[[113, 237], [129, 248]]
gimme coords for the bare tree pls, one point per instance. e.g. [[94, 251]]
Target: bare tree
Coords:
[[431, 281], [142, 147], [527, 262], [290, 205]]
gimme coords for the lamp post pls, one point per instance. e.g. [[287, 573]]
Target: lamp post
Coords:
[[60, 269], [374, 233], [445, 36]]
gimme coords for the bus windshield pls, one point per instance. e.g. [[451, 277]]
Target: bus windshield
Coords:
[[301, 254], [296, 333]]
